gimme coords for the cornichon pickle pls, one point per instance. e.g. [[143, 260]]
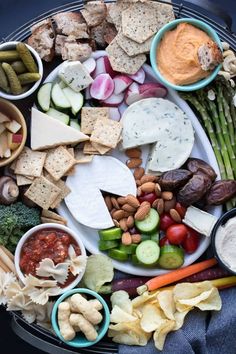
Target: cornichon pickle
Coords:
[[3, 80], [9, 55], [28, 78], [19, 67], [13, 80], [26, 57]]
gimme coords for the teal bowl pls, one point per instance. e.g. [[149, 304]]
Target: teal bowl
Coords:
[[157, 39], [80, 340]]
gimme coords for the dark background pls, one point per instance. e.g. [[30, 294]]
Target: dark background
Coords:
[[13, 14]]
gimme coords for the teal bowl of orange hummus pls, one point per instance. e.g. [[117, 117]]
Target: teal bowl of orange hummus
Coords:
[[175, 53]]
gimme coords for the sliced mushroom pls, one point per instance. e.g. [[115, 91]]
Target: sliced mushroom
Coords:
[[9, 191]]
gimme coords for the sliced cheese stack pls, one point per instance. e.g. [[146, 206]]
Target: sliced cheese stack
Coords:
[[85, 202], [159, 121]]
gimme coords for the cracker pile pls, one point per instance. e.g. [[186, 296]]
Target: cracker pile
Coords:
[[136, 23], [43, 172], [104, 133]]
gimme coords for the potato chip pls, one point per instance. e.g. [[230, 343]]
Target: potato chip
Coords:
[[151, 318], [129, 333], [165, 326], [179, 319], [121, 299], [118, 315], [166, 301], [142, 299]]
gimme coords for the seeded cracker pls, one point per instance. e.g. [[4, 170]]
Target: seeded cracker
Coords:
[[94, 12], [114, 12], [42, 192], [81, 157], [131, 47], [106, 132], [64, 190], [58, 162], [53, 221], [51, 215], [121, 61], [89, 116], [30, 163], [101, 148], [139, 22], [23, 180], [164, 13]]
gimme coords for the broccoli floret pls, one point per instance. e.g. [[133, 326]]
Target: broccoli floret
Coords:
[[16, 219]]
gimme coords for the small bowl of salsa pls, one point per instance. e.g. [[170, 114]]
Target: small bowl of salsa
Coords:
[[48, 241]]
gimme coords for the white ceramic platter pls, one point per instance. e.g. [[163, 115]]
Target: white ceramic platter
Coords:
[[201, 149]]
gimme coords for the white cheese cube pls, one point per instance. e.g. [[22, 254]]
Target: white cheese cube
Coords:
[[75, 75]]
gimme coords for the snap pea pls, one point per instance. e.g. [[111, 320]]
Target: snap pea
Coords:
[[106, 245], [3, 80], [19, 66], [26, 57], [118, 255], [13, 80], [28, 78], [9, 55]]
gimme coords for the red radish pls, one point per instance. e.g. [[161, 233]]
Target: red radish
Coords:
[[102, 87], [122, 107], [98, 54], [121, 83], [103, 66], [139, 76], [87, 93], [90, 64], [113, 100], [153, 90], [114, 113], [133, 90]]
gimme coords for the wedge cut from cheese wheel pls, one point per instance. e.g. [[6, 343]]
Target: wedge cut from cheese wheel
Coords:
[[48, 132], [159, 121], [86, 202]]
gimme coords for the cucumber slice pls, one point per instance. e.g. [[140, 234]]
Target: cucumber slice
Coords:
[[155, 237], [148, 252], [59, 98], [110, 234], [74, 124], [44, 96], [76, 99], [62, 117], [145, 237], [107, 245], [126, 248], [118, 255], [150, 223], [171, 257]]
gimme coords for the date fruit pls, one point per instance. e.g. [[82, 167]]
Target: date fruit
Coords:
[[174, 179], [197, 165], [221, 192]]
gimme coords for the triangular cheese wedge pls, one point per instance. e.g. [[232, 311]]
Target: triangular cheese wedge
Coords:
[[48, 132]]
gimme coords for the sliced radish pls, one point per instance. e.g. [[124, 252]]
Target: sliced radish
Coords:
[[114, 113], [121, 83], [153, 90], [122, 107], [102, 87], [90, 64], [113, 100], [87, 93], [133, 89], [139, 76], [108, 67], [103, 66], [98, 54]]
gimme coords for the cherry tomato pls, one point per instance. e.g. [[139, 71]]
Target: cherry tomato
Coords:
[[180, 209], [147, 197], [166, 221], [164, 241], [191, 242], [176, 233]]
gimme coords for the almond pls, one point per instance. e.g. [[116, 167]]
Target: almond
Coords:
[[115, 203], [116, 223], [154, 204], [142, 212], [148, 178], [160, 206], [157, 189], [121, 200], [169, 204], [175, 215], [148, 187], [167, 195], [132, 200], [136, 238], [139, 191], [133, 153], [133, 163], [145, 203], [128, 207], [119, 214], [126, 238], [108, 202], [138, 183], [139, 172], [130, 222], [123, 224]]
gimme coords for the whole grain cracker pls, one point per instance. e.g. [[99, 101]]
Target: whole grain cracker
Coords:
[[121, 61], [89, 116], [164, 13], [102, 149], [58, 162], [51, 215], [71, 171], [114, 12], [94, 12], [64, 190], [131, 47], [45, 220], [42, 192], [106, 132], [30, 163], [82, 158], [23, 180], [89, 149], [139, 22]]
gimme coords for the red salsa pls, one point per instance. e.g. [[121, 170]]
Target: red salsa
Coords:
[[47, 243]]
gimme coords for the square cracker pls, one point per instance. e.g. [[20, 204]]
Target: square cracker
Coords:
[[45, 220], [81, 157], [51, 215], [23, 180], [89, 116], [114, 11], [64, 190], [71, 171], [139, 22], [102, 149], [121, 61], [131, 47], [89, 149], [30, 163], [106, 132], [58, 162], [42, 192]]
